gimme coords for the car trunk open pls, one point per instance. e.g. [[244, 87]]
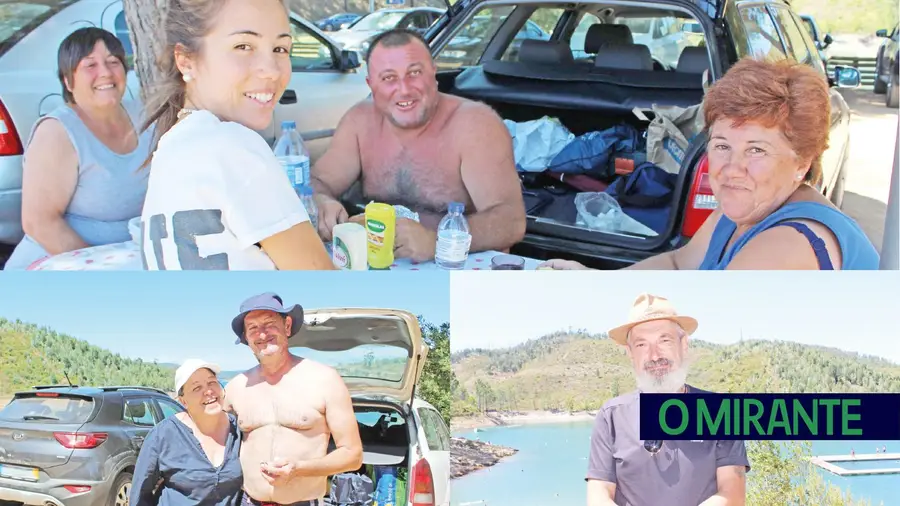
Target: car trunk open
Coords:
[[380, 354], [583, 102]]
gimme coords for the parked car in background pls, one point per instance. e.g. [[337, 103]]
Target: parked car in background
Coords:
[[76, 446], [822, 40], [466, 42], [359, 35], [337, 22], [887, 67], [596, 81], [325, 83], [380, 354]]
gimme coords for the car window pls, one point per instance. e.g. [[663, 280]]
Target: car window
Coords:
[[48, 409], [436, 434], [17, 19], [168, 408], [793, 37], [417, 21], [763, 42], [120, 25], [807, 24], [541, 22], [309, 52], [576, 42], [815, 60], [378, 21], [466, 48], [665, 36], [139, 411]]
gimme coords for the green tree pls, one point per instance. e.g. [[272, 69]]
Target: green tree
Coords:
[[437, 376]]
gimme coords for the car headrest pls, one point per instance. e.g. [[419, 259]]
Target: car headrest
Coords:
[[136, 410], [545, 51], [624, 56], [694, 60], [600, 35]]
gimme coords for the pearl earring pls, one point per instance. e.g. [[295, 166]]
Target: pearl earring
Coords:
[[187, 78], [799, 177]]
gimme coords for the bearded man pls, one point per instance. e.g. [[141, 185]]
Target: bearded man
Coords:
[[626, 471]]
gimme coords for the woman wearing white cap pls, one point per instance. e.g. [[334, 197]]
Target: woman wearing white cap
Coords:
[[192, 458]]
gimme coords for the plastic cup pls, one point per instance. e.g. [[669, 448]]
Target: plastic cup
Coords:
[[507, 263]]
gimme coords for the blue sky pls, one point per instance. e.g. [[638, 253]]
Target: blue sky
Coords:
[[852, 311], [173, 316]]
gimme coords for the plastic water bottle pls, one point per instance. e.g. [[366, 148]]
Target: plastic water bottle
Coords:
[[306, 196], [453, 239], [293, 155]]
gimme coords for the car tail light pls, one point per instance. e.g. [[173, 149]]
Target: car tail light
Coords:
[[80, 440], [77, 489], [421, 493], [46, 394], [701, 201], [9, 140]]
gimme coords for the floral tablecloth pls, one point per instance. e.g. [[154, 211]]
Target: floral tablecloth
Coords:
[[126, 256]]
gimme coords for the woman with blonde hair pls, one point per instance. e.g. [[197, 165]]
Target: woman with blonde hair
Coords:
[[217, 196]]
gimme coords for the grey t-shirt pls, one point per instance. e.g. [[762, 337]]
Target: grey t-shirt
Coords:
[[682, 473]]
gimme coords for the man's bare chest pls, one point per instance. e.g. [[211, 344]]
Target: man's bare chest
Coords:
[[283, 404]]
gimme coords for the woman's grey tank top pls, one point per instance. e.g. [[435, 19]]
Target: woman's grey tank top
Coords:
[[110, 188]]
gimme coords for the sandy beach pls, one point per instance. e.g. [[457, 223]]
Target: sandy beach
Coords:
[[500, 419]]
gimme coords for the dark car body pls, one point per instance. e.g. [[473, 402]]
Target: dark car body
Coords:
[[887, 67], [726, 38], [76, 446]]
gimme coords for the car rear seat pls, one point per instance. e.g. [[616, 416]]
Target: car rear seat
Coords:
[[694, 60], [624, 56], [546, 52], [600, 35]]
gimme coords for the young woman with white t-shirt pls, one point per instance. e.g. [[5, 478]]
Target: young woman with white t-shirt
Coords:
[[217, 197]]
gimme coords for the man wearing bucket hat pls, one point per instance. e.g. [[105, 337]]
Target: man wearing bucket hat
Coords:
[[623, 469], [288, 407]]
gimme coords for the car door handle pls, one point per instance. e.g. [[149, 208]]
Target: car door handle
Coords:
[[289, 97]]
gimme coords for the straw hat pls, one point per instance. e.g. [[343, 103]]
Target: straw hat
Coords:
[[648, 308]]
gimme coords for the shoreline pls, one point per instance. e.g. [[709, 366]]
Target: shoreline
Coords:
[[506, 419], [468, 456]]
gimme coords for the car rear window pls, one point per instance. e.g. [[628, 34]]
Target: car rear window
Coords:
[[18, 18], [48, 409]]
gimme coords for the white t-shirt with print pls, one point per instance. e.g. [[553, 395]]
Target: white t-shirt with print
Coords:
[[215, 191]]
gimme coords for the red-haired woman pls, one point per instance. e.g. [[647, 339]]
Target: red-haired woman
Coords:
[[768, 126]]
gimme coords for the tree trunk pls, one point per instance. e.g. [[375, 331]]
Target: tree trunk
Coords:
[[145, 19]]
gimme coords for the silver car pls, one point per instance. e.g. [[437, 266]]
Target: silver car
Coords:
[[76, 446], [326, 82]]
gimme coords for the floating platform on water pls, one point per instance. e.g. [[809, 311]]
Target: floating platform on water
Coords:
[[826, 462]]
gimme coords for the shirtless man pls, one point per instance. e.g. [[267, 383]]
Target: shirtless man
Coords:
[[287, 408], [414, 146]]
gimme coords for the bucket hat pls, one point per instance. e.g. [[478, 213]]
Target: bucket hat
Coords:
[[266, 302], [648, 308]]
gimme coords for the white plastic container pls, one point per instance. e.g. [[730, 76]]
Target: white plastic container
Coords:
[[349, 247]]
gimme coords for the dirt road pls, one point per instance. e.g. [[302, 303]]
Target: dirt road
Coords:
[[873, 132]]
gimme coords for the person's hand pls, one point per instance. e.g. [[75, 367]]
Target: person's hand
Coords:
[[359, 219], [413, 241], [563, 265], [331, 213], [278, 472]]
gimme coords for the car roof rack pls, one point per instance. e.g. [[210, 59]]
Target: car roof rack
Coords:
[[127, 387], [45, 387]]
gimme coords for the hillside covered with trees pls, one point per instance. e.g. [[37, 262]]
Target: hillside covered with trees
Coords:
[[32, 355], [579, 371]]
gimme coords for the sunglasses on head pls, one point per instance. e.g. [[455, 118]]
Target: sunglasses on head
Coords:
[[653, 446]]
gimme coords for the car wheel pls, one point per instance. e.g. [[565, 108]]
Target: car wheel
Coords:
[[893, 91], [121, 490]]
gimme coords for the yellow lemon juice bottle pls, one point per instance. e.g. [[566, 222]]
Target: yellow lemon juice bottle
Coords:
[[380, 226]]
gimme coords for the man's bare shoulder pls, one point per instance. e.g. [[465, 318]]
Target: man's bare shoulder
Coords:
[[476, 119], [362, 110]]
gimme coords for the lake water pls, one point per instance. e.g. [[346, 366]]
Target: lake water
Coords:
[[551, 463]]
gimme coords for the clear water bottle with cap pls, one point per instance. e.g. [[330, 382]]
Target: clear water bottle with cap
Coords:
[[293, 155], [306, 196], [453, 238]]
